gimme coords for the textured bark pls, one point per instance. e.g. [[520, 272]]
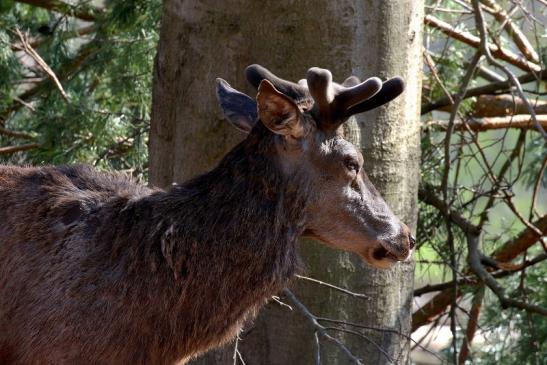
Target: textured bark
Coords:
[[505, 104], [201, 40]]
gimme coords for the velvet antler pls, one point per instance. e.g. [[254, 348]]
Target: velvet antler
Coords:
[[256, 73], [333, 103]]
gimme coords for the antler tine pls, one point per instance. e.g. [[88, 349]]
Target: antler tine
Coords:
[[349, 96], [390, 90], [256, 73], [351, 81], [333, 101], [320, 85]]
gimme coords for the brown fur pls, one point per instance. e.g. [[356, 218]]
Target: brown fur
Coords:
[[95, 269], [98, 270]]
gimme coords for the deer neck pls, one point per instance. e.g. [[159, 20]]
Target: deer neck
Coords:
[[242, 214]]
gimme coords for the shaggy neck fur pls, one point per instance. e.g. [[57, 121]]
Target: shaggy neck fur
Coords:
[[218, 246]]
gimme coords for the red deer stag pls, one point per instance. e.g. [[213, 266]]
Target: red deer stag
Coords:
[[95, 269]]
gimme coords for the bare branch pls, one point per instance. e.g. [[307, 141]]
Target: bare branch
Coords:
[[317, 348], [475, 42], [514, 32], [487, 51], [319, 328], [537, 186], [365, 338], [40, 61], [472, 325], [38, 41], [429, 61], [506, 270], [15, 134], [237, 354], [377, 329], [481, 71], [502, 86], [484, 124], [505, 105], [427, 195], [474, 262], [521, 243], [507, 252], [65, 71], [19, 148], [281, 303], [432, 309], [24, 103]]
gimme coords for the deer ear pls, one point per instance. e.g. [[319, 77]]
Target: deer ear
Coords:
[[278, 112], [238, 108]]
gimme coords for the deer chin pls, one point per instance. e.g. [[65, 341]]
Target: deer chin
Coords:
[[376, 255]]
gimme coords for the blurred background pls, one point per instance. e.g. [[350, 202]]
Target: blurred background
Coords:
[[129, 85]]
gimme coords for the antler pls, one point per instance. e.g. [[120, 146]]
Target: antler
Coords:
[[335, 103], [256, 73]]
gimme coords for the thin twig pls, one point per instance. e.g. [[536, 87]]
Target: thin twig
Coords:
[[507, 252], [378, 329], [317, 348], [431, 64], [389, 358], [38, 41], [512, 30], [537, 186], [475, 42], [22, 102], [40, 61], [331, 286], [280, 302], [486, 50], [237, 354], [501, 86], [427, 195], [319, 328], [474, 262]]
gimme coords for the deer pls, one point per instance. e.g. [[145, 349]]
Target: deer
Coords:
[[97, 269]]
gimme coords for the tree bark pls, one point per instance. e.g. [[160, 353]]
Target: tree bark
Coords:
[[201, 40], [505, 105]]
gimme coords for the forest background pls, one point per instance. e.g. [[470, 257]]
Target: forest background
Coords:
[[76, 81]]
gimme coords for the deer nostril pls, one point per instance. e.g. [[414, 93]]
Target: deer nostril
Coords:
[[412, 241]]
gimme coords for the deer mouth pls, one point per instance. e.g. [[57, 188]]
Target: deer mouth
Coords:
[[381, 254], [383, 258]]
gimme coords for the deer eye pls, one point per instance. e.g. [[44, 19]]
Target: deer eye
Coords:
[[352, 164]]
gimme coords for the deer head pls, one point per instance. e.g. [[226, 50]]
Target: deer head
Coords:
[[344, 209]]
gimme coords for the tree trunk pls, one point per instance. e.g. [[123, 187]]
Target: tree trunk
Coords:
[[201, 40]]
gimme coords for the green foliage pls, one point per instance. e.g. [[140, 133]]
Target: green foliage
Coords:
[[512, 336], [106, 72]]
